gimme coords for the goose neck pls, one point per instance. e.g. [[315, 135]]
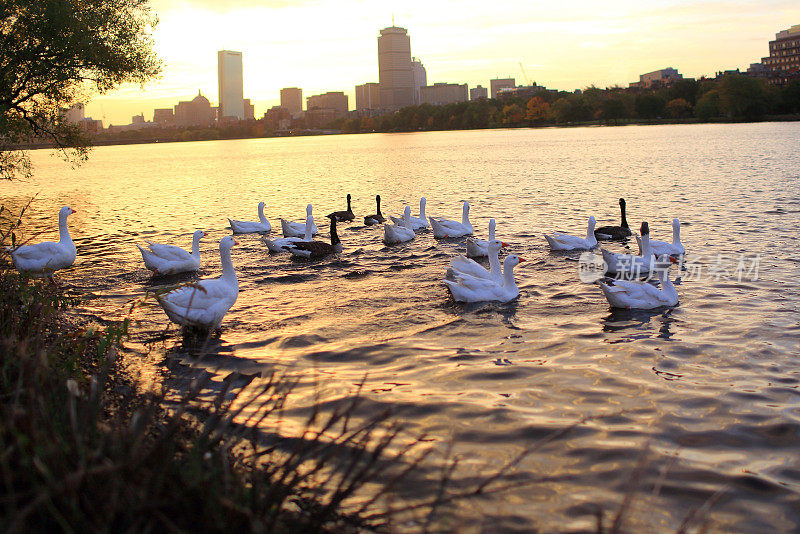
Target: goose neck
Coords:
[[63, 229], [334, 235], [624, 222], [196, 246], [228, 272]]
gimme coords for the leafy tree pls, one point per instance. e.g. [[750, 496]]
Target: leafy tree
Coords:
[[649, 105], [790, 97], [513, 115], [612, 109], [742, 97], [708, 106], [538, 110], [686, 89], [678, 108], [54, 53]]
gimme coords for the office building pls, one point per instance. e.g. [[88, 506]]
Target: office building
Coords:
[[197, 112], [501, 83], [368, 97], [249, 110], [163, 116], [440, 94], [658, 78], [784, 56], [476, 93], [395, 76], [231, 85], [75, 114], [334, 100], [292, 99], [420, 78]]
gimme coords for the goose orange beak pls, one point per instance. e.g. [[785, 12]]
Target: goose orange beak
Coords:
[[72, 210], [503, 244], [521, 259], [673, 260], [235, 242], [205, 234]]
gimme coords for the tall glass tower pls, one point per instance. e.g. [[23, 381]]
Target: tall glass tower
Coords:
[[395, 76], [231, 91]]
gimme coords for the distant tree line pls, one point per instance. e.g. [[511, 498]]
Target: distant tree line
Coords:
[[732, 97]]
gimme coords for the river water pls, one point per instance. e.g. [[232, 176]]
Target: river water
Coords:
[[710, 386]]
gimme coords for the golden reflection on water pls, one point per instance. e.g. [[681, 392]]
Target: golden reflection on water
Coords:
[[691, 381]]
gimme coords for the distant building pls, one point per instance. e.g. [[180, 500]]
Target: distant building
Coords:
[[137, 121], [395, 75], [91, 125], [249, 110], [230, 79], [197, 112], [501, 83], [335, 100], [523, 91], [292, 99], [758, 70], [476, 93], [784, 56], [163, 116], [657, 78], [444, 93], [368, 97], [278, 118], [420, 78], [75, 114], [320, 117]]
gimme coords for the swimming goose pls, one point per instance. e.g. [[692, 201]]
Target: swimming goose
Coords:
[[478, 248], [461, 265], [317, 249], [377, 217], [297, 229], [470, 289], [279, 244], [615, 232], [559, 241], [169, 259], [662, 247], [43, 259], [445, 228], [417, 223], [203, 304], [630, 264], [634, 295], [249, 227], [399, 233], [346, 215]]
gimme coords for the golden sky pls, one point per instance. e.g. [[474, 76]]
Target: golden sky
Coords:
[[324, 45]]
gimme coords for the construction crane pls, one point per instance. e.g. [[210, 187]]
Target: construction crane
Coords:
[[527, 81]]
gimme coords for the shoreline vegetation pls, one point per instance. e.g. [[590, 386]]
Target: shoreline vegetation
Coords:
[[731, 98]]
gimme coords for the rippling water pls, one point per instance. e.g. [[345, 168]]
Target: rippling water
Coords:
[[711, 385]]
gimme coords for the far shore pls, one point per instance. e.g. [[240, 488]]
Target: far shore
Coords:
[[102, 140]]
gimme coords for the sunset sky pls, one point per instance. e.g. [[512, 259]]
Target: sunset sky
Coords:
[[322, 45]]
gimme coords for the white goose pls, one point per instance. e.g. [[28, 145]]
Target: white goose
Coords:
[[443, 228], [297, 229], [471, 289], [479, 248], [630, 264], [662, 247], [461, 265], [169, 259], [559, 241], [45, 258], [417, 223], [250, 227], [278, 244], [204, 303], [399, 232], [635, 295]]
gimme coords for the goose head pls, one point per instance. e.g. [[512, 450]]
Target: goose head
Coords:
[[645, 229], [407, 216], [309, 210], [227, 243]]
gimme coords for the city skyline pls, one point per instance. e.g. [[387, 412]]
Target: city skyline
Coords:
[[323, 47]]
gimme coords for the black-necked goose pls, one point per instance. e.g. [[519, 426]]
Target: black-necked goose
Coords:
[[346, 215], [615, 232], [377, 217], [317, 249]]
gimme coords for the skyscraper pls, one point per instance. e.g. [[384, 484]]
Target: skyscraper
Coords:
[[368, 97], [231, 90], [394, 68], [420, 78], [292, 99]]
